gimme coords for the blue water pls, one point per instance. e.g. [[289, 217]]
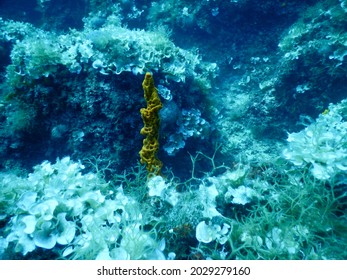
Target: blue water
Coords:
[[252, 129]]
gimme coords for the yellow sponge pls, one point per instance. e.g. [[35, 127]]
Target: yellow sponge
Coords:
[[151, 121]]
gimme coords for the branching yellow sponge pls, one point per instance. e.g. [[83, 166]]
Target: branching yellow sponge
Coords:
[[151, 121]]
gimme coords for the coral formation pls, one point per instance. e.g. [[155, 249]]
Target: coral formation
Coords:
[[151, 121]]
